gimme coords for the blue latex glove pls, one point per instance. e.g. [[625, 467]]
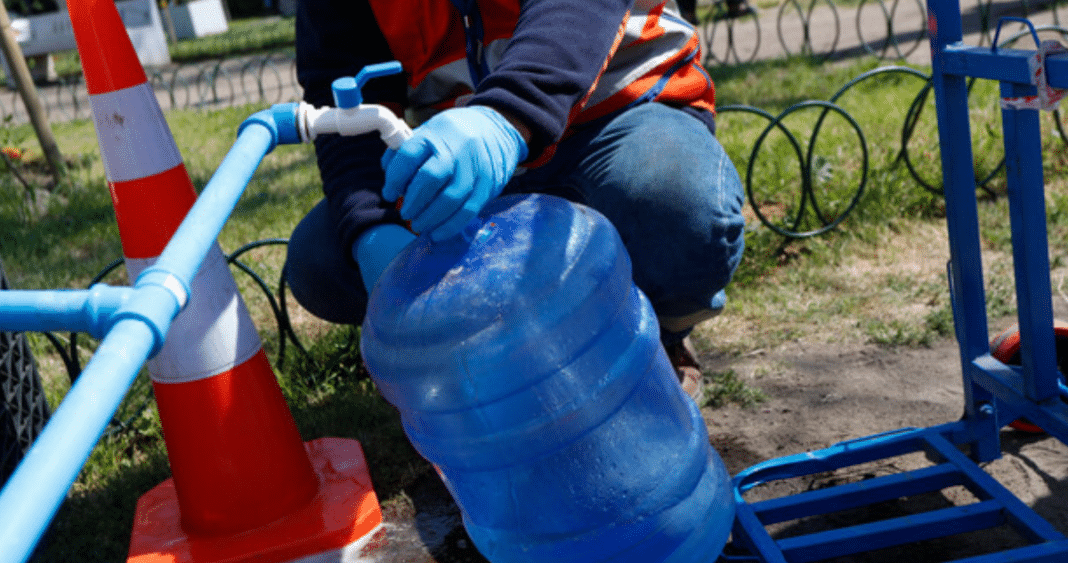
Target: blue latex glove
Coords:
[[454, 163], [376, 248]]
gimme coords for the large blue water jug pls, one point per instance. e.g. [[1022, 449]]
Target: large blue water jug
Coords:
[[528, 369]]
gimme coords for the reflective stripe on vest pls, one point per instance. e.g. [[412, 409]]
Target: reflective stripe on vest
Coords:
[[651, 44], [654, 40]]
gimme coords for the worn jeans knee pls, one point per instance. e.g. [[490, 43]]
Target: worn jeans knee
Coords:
[[665, 182]]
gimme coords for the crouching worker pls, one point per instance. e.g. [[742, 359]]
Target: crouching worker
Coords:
[[603, 102]]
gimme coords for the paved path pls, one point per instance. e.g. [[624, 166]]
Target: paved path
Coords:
[[209, 84], [893, 30]]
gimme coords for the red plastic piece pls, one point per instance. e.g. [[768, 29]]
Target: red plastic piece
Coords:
[[1006, 346]]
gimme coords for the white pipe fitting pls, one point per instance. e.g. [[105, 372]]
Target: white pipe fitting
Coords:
[[365, 118]]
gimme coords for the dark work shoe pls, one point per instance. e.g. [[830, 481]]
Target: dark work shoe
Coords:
[[688, 369]]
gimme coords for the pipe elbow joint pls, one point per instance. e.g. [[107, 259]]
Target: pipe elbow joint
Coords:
[[280, 120]]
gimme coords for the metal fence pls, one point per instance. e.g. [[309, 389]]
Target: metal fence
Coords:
[[892, 30], [263, 79]]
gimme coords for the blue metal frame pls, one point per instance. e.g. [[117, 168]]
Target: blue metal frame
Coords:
[[995, 393], [996, 505]]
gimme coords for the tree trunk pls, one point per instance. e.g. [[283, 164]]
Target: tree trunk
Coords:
[[17, 62]]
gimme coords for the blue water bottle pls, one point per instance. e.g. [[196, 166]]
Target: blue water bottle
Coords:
[[528, 369]]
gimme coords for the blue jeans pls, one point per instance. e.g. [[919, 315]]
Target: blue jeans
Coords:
[[657, 173]]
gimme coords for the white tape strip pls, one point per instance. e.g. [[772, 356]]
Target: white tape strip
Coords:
[[213, 334], [135, 141]]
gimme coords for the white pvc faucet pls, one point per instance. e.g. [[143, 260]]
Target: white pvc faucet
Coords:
[[351, 116]]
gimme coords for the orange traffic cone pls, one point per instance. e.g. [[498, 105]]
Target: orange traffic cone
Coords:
[[244, 485]]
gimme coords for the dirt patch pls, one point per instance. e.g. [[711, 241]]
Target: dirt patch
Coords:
[[826, 382], [822, 394]]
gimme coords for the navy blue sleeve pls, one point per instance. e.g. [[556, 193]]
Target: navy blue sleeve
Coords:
[[557, 52], [337, 38]]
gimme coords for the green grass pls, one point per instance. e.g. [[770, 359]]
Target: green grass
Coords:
[[727, 387], [243, 37], [876, 278], [77, 236], [254, 35], [858, 282]]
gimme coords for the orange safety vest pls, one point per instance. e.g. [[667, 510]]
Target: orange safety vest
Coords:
[[656, 56]]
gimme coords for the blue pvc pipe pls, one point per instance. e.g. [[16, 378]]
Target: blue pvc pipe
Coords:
[[205, 220], [141, 319], [87, 311], [90, 310], [40, 483]]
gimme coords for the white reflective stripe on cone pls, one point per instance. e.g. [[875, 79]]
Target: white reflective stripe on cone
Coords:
[[135, 141], [213, 334]]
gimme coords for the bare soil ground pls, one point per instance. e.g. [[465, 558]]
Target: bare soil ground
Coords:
[[825, 384], [818, 395]]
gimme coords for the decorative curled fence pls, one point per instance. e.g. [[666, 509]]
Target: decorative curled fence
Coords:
[[210, 84], [892, 30], [800, 214]]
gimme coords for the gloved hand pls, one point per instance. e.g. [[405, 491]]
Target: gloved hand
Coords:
[[456, 162], [376, 248]]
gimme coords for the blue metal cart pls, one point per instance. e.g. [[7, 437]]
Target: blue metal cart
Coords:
[[995, 393]]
